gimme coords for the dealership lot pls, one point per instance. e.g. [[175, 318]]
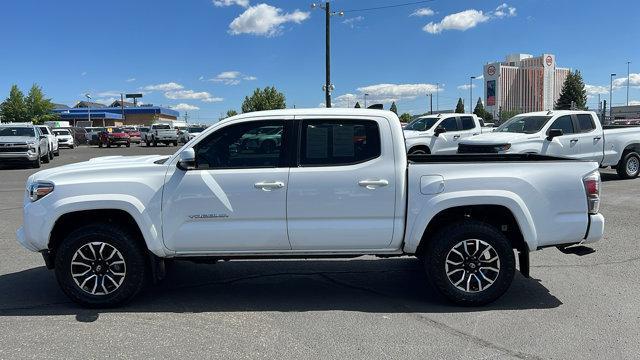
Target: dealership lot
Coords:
[[573, 307]]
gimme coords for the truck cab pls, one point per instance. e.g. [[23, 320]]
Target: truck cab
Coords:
[[441, 133]]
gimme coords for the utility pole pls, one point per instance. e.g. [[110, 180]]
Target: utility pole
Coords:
[[327, 87], [610, 94], [365, 100], [437, 91], [431, 103], [471, 94], [628, 79]]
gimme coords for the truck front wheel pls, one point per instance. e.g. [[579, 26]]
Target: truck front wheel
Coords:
[[471, 263], [100, 265], [629, 166]]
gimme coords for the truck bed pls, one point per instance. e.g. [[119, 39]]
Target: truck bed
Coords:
[[484, 158]]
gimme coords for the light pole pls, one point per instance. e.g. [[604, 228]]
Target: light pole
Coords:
[[628, 79], [88, 108], [365, 100], [437, 97], [327, 87], [471, 94], [610, 93]]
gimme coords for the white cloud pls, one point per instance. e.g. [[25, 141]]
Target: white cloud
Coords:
[[109, 94], [232, 77], [634, 80], [170, 86], [634, 102], [191, 95], [466, 87], [106, 100], [352, 22], [83, 73], [201, 78], [423, 12], [130, 80], [184, 107], [243, 3], [504, 10], [596, 89], [265, 20], [385, 94], [468, 19]]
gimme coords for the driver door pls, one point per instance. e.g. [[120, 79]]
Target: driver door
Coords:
[[235, 199], [566, 145]]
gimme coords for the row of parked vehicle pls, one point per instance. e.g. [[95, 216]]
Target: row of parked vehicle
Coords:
[[563, 133], [167, 133], [32, 144]]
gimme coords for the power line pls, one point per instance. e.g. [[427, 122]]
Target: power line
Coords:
[[388, 6]]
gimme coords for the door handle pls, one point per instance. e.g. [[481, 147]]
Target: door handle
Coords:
[[372, 184], [456, 137], [268, 186], [474, 134], [597, 138], [574, 140]]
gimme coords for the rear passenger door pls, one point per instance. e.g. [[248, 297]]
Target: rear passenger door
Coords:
[[447, 142], [590, 140], [341, 194], [469, 127]]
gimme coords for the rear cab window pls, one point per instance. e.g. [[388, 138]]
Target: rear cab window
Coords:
[[338, 142]]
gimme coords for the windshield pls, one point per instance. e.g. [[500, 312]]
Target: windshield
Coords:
[[195, 129], [117, 131], [16, 131], [61, 132], [422, 124], [523, 124], [161, 127]]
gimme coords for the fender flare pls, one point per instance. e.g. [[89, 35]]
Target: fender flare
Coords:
[[127, 203], [445, 201]]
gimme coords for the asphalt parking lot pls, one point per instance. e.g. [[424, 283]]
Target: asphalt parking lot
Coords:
[[572, 308]]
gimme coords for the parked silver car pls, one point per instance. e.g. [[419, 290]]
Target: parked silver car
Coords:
[[23, 143]]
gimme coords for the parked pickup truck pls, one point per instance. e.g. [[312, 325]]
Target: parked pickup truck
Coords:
[[24, 143], [164, 133], [338, 184], [569, 133], [440, 134]]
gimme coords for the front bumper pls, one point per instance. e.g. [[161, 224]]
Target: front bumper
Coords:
[[24, 156], [596, 229]]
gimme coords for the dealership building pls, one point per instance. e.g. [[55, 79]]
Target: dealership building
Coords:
[[116, 114], [523, 83]]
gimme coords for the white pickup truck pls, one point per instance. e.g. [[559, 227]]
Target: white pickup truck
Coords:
[[567, 133], [164, 133], [440, 134], [338, 184]]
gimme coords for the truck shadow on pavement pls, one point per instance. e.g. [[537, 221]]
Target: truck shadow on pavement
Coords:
[[363, 285]]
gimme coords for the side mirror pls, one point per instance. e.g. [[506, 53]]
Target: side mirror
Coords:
[[554, 133], [439, 130], [187, 160]]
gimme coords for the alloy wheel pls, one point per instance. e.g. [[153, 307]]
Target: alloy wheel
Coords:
[[472, 265], [98, 268]]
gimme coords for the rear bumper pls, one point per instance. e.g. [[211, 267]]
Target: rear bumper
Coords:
[[596, 229]]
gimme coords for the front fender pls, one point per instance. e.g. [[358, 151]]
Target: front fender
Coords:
[[439, 203]]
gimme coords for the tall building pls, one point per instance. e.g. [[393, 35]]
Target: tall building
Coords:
[[523, 83]]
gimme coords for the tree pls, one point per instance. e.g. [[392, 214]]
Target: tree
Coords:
[[572, 93], [481, 112], [13, 109], [231, 113], [38, 108], [460, 106], [357, 105], [405, 117], [266, 99], [394, 108], [507, 114]]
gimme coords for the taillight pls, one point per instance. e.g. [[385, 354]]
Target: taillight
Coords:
[[592, 189]]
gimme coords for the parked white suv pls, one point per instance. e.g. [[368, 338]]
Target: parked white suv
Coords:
[[52, 141], [440, 134], [570, 133], [65, 138], [336, 184]]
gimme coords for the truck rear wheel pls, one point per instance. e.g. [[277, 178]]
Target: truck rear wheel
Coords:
[[629, 165], [470, 263], [100, 265]]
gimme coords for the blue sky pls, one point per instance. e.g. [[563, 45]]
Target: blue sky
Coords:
[[206, 55]]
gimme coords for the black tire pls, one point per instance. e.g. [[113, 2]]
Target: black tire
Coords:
[[57, 153], [45, 158], [51, 155], [629, 165], [36, 163], [155, 143], [121, 239], [128, 145], [100, 145], [419, 151], [72, 146], [147, 143], [175, 143], [441, 245]]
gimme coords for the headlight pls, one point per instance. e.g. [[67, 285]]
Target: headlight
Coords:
[[39, 189], [504, 147], [32, 144]]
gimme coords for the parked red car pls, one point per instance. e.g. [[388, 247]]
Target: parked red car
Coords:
[[117, 137], [134, 136]]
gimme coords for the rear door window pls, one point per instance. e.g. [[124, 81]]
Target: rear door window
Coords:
[[467, 122], [586, 123], [338, 142]]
